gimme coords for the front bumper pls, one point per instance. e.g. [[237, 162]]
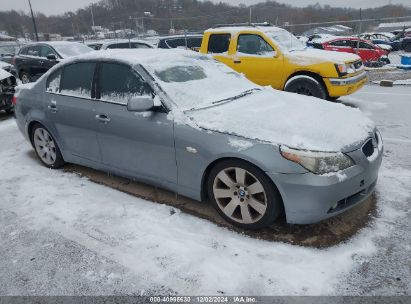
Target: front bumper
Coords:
[[343, 86], [309, 198]]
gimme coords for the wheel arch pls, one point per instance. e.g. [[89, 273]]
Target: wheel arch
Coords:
[[211, 165], [314, 75]]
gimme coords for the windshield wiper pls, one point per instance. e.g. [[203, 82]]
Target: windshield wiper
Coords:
[[245, 93], [225, 100]]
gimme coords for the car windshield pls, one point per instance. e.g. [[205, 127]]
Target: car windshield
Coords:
[[286, 40], [194, 81], [71, 49]]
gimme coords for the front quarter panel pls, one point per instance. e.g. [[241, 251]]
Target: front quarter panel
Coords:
[[197, 149]]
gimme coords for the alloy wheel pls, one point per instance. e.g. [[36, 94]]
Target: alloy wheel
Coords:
[[45, 146], [240, 195]]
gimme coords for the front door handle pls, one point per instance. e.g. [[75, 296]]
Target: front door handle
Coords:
[[237, 61], [103, 118], [53, 106]]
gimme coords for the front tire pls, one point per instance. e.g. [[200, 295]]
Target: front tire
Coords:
[[243, 195], [306, 85], [9, 111], [46, 147]]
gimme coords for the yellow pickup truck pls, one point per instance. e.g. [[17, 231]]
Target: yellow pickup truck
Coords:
[[271, 56]]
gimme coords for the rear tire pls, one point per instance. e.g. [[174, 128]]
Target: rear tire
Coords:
[[9, 111], [306, 85], [25, 77], [243, 194], [46, 147]]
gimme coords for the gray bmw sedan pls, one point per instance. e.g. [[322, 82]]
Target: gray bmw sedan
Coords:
[[183, 121]]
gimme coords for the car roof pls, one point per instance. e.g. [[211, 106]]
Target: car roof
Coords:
[[137, 56], [181, 36], [236, 29], [51, 43], [109, 42]]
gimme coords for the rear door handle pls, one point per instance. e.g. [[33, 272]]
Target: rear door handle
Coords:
[[103, 118], [237, 61], [53, 106]]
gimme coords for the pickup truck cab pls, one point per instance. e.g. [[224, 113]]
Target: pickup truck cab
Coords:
[[271, 56]]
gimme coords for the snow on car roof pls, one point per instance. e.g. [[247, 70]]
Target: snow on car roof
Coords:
[[236, 29]]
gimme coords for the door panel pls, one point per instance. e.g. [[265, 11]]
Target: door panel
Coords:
[[139, 143], [70, 108], [256, 59]]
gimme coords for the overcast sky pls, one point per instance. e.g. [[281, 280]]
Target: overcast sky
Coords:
[[49, 7]]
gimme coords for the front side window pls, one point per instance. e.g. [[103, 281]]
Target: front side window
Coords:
[[339, 43], [46, 50], [364, 45], [77, 79], [53, 82], [254, 45], [118, 83], [219, 43]]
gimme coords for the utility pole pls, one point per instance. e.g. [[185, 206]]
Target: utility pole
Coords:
[[34, 22], [250, 14], [92, 15]]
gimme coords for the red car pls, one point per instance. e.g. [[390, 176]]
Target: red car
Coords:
[[363, 48]]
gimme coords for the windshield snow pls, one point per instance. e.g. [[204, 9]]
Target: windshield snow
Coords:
[[194, 81], [71, 49], [286, 40]]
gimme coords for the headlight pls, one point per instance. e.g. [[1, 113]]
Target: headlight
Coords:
[[318, 162], [341, 69]]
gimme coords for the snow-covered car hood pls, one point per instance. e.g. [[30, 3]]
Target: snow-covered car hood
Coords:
[[283, 118], [310, 56]]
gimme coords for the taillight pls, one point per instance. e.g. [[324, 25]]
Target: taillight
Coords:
[[14, 100], [13, 61]]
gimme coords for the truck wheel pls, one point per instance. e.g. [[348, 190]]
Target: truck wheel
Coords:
[[25, 77], [305, 85], [243, 195]]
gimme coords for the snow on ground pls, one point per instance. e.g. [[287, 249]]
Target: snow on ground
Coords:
[[61, 234]]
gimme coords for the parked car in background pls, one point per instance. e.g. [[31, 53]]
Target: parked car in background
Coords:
[[368, 52], [8, 50], [34, 59], [7, 84], [119, 44], [271, 56], [192, 42], [153, 115], [383, 39]]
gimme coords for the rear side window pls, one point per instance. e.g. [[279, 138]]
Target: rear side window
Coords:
[[118, 83], [77, 79], [23, 51], [219, 43], [194, 42], [53, 82]]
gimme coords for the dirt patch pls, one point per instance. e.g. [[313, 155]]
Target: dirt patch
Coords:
[[321, 235]]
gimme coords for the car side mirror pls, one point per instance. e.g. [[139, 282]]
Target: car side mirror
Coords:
[[51, 57], [140, 103]]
